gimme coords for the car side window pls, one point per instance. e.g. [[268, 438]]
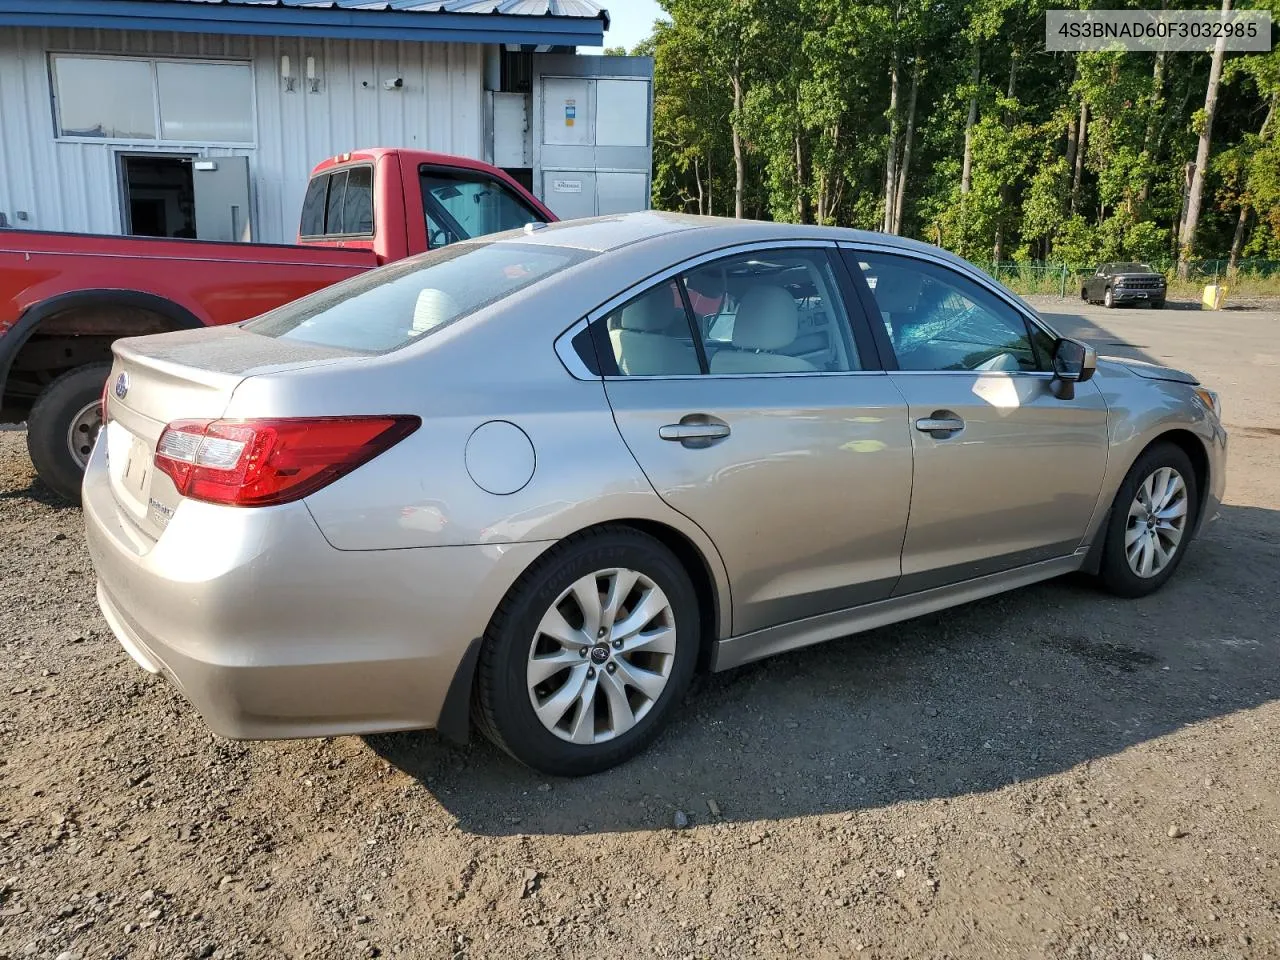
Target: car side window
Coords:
[[771, 311], [462, 204], [650, 336], [938, 319]]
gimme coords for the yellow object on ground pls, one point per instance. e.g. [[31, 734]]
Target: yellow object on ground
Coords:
[[1214, 297]]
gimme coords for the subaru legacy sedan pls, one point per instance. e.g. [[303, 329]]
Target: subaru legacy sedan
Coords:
[[536, 481]]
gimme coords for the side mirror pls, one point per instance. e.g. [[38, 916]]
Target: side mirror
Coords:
[[1073, 362]]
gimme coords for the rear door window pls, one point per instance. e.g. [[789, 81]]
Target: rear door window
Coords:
[[397, 305], [764, 312], [464, 204]]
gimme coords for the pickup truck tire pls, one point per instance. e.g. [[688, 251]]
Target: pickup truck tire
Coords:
[[65, 401]]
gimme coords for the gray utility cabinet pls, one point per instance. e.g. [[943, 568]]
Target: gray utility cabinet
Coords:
[[582, 136]]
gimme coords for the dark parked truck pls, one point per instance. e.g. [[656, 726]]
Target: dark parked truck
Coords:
[[1117, 283], [64, 297]]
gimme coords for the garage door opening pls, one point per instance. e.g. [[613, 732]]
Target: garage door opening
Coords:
[[159, 196]]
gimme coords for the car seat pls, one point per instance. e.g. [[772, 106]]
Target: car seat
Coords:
[[641, 344], [767, 320]]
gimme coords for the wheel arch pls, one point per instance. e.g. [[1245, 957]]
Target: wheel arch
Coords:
[[454, 723], [1189, 443], [81, 325], [694, 562]]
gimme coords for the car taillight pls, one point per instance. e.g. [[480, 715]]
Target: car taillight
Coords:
[[258, 463]]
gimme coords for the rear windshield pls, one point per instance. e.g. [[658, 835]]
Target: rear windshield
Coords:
[[397, 305]]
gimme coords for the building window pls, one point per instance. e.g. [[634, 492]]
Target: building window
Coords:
[[166, 101]]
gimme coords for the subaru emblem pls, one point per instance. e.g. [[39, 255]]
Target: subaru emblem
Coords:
[[122, 385]]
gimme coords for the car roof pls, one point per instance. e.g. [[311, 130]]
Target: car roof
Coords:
[[411, 156], [607, 233]]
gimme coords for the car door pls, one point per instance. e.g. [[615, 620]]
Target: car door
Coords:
[[1007, 473], [1101, 280], [756, 411]]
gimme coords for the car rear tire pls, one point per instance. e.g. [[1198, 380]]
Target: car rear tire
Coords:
[[63, 426], [1084, 294], [1108, 299], [1152, 520], [589, 653]]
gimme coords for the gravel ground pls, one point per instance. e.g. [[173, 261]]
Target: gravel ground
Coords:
[[1051, 773]]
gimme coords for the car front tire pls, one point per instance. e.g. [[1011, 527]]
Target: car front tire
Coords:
[[1151, 523], [590, 652], [1108, 299]]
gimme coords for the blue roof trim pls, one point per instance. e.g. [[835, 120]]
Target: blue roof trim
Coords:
[[279, 21]]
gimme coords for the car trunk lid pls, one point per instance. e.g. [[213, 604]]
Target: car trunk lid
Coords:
[[189, 375]]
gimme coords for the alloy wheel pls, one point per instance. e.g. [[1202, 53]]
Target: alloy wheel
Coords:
[[601, 656], [1156, 523]]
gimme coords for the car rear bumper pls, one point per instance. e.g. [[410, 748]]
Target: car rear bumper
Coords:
[[272, 633]]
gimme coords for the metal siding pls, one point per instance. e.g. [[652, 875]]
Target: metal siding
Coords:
[[73, 186]]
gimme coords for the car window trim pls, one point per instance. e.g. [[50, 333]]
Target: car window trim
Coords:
[[1029, 319], [564, 346], [700, 348], [869, 308]]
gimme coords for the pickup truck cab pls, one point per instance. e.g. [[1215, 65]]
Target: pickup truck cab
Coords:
[[64, 297]]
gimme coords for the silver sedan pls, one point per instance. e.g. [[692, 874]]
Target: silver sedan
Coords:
[[536, 481]]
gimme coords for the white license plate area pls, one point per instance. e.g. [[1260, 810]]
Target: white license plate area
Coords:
[[130, 463]]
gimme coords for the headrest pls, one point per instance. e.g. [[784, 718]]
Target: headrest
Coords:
[[767, 319], [650, 313], [897, 290], [432, 308]]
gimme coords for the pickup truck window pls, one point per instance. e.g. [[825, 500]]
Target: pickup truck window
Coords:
[[390, 308], [357, 205], [339, 204], [313, 207], [462, 204], [333, 208]]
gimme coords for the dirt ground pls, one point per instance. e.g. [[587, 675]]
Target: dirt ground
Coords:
[[1051, 773]]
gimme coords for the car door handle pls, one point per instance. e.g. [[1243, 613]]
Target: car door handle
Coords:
[[694, 431], [940, 426]]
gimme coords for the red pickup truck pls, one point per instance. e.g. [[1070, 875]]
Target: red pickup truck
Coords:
[[64, 297]]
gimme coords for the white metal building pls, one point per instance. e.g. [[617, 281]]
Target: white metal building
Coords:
[[114, 114]]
